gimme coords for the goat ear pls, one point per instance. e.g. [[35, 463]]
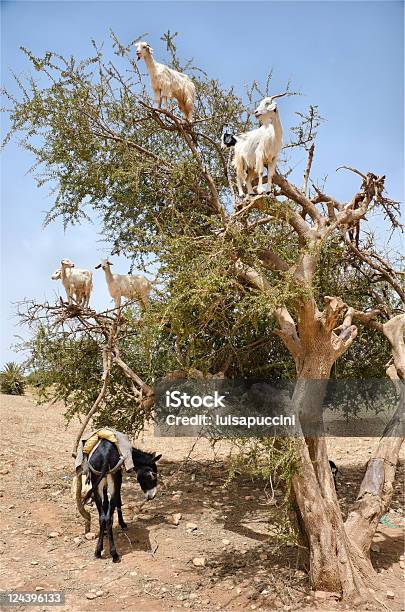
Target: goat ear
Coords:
[[97, 267], [157, 457], [109, 263], [150, 48]]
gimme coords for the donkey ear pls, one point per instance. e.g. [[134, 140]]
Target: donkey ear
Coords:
[[157, 457]]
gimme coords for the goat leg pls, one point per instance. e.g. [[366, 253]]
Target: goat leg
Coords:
[[271, 168], [259, 170], [250, 175]]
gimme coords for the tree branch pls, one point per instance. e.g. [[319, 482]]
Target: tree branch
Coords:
[[381, 266], [288, 332], [271, 260], [308, 169]]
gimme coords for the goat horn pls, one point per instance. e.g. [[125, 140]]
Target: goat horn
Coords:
[[280, 95]]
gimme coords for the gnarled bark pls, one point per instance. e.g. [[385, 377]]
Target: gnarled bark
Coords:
[[336, 563], [377, 488]]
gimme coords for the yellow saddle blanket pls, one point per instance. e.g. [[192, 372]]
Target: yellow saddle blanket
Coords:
[[101, 434]]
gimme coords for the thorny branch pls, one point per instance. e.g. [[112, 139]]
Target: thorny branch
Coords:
[[108, 325]]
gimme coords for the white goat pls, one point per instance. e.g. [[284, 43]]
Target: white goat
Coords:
[[80, 291], [257, 148], [168, 83], [126, 285], [78, 283]]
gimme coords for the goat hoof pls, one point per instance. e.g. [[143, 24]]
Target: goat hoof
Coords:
[[97, 554], [116, 559], [123, 526]]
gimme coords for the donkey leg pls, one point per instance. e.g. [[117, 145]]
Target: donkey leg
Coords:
[[105, 504], [118, 483], [110, 518], [102, 521]]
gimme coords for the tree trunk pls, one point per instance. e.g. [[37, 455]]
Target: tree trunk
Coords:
[[339, 554], [336, 564], [377, 488]]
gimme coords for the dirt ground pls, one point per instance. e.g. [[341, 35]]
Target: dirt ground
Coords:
[[42, 547]]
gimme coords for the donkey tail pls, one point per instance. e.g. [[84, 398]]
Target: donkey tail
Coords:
[[103, 473]]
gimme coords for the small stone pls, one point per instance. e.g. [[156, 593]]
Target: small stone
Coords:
[[39, 588], [193, 596], [390, 595], [375, 548], [191, 526], [174, 519], [27, 532], [133, 573], [34, 562], [402, 564], [54, 534], [225, 542], [99, 593], [91, 595], [90, 536], [249, 497], [77, 540], [199, 561], [4, 471], [321, 594]]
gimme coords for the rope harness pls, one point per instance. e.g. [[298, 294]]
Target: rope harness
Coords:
[[111, 471], [92, 469]]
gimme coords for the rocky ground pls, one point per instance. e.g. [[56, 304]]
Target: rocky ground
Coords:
[[198, 545]]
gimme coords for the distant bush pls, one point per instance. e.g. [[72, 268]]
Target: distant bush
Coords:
[[12, 381]]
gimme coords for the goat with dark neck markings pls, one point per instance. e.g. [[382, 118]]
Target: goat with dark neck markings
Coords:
[[106, 480]]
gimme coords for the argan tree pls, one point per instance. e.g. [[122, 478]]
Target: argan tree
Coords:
[[273, 285]]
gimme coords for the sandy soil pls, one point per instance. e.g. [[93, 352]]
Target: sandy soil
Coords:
[[243, 569]]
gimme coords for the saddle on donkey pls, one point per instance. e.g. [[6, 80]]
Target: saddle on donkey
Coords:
[[89, 443]]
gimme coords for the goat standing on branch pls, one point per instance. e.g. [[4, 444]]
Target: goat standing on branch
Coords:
[[78, 283], [168, 83], [126, 285], [258, 147]]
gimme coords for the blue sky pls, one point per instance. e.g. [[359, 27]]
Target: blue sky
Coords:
[[347, 57]]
